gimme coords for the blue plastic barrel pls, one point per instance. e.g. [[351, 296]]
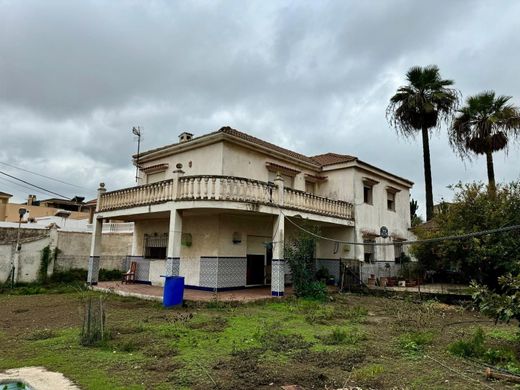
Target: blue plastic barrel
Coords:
[[173, 290]]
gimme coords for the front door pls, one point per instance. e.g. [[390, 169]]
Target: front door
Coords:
[[255, 269]]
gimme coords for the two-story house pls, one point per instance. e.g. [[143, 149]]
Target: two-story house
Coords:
[[217, 209]]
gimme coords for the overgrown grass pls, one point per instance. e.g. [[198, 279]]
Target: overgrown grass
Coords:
[[476, 347], [412, 344], [350, 341]]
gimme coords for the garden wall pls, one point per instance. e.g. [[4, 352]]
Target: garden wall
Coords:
[[74, 251]]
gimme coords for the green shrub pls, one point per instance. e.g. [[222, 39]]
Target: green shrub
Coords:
[[413, 343], [109, 275], [474, 347], [69, 276]]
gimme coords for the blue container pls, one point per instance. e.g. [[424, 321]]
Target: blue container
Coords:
[[173, 290]]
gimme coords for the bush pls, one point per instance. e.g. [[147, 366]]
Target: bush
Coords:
[[80, 275], [414, 343], [299, 254], [483, 258], [69, 276], [474, 347]]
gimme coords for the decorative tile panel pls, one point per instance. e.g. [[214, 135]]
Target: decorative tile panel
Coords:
[[172, 266], [93, 270], [277, 277], [142, 270], [222, 272]]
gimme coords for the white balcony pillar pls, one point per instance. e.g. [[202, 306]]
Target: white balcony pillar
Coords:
[[95, 245], [280, 189], [177, 174], [278, 261], [173, 258]]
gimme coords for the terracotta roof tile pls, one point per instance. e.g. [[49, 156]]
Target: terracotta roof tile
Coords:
[[250, 138], [332, 158]]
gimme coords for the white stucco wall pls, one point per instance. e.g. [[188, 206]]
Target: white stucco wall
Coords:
[[205, 160]]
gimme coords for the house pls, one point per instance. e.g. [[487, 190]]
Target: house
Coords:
[[72, 209], [218, 209]]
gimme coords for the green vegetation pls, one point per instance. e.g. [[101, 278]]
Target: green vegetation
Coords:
[[420, 106], [414, 343], [484, 258], [350, 340], [485, 125], [299, 254], [476, 348]]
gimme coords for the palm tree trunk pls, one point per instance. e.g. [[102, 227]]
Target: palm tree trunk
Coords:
[[491, 173], [427, 173]]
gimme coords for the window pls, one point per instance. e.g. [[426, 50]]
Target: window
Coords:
[[287, 180], [367, 193], [369, 250], [155, 246], [368, 190], [310, 186], [390, 200]]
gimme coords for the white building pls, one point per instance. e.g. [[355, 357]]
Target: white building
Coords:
[[218, 208]]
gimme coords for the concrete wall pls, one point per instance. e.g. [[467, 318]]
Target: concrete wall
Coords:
[[8, 234], [75, 250]]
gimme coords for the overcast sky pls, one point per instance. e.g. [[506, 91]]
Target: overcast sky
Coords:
[[312, 76]]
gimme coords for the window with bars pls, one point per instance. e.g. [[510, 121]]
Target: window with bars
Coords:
[[368, 250], [398, 251], [155, 246]]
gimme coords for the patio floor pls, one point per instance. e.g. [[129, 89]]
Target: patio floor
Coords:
[[155, 293]]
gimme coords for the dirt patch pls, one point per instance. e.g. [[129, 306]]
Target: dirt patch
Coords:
[[22, 315], [325, 359]]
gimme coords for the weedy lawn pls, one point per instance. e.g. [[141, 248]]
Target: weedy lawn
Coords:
[[370, 342]]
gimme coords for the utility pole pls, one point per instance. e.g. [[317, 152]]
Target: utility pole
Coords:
[[137, 132], [15, 262]]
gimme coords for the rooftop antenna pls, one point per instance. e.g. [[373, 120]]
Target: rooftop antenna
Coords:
[[137, 132]]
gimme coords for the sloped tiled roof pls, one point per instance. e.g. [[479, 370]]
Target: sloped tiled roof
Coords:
[[5, 194], [332, 158], [258, 141]]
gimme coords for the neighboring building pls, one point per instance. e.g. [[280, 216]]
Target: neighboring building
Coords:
[[71, 209], [217, 209]]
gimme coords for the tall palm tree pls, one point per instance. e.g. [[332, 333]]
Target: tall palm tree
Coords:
[[421, 106], [485, 125]]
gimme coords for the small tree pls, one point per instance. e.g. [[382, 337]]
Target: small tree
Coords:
[[299, 254], [503, 305], [484, 258]]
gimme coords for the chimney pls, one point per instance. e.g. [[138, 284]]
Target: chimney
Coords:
[[185, 137], [31, 199]]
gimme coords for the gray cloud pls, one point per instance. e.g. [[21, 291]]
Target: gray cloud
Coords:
[[313, 76]]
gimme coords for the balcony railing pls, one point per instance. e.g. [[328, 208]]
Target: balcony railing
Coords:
[[223, 188]]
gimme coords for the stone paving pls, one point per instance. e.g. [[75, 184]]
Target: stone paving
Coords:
[[37, 378], [155, 293]]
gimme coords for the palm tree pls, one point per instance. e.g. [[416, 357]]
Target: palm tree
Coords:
[[483, 126], [420, 106]]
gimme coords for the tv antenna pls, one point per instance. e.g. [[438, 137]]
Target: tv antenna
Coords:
[[137, 132]]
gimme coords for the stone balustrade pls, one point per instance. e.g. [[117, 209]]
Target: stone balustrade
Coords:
[[223, 188]]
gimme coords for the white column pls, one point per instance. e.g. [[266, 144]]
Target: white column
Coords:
[[278, 262], [280, 189], [95, 251], [95, 246], [173, 258]]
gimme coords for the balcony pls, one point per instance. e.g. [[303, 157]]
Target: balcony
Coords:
[[225, 189]]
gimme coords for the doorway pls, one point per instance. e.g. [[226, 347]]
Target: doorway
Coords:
[[259, 258]]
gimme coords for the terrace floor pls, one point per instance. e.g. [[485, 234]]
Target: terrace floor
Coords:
[[155, 293]]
